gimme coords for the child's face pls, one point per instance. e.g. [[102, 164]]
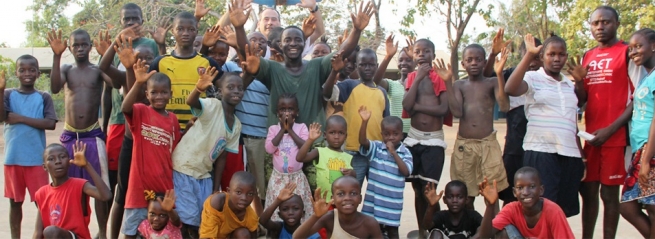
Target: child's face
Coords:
[[157, 217], [241, 195], [231, 90], [259, 40], [640, 49], [474, 61], [131, 17], [56, 161], [27, 72], [292, 43], [405, 63], [367, 65], [80, 47], [197, 43], [291, 211], [347, 195], [423, 53], [535, 64], [158, 93], [527, 189], [320, 50], [350, 65], [455, 198], [287, 109], [335, 135], [554, 57], [145, 54], [392, 133], [219, 52], [185, 31]]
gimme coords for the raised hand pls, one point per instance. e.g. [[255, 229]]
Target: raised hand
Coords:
[[206, 79], [126, 53], [576, 70], [531, 46], [102, 43], [320, 205], [364, 113], [169, 200], [389, 46], [200, 10], [500, 63], [431, 194], [57, 43], [141, 71], [337, 62], [341, 39], [159, 34], [211, 36], [79, 148], [489, 192], [444, 71], [411, 40], [360, 21], [237, 17], [497, 44], [309, 25], [251, 64], [314, 131], [228, 36], [309, 4], [287, 192], [133, 32], [3, 79]]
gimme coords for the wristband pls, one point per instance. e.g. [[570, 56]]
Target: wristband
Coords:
[[315, 9]]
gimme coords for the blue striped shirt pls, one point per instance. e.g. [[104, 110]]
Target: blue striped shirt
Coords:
[[384, 193], [253, 110]]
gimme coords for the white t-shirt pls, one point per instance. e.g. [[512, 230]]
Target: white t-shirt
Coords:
[[206, 140]]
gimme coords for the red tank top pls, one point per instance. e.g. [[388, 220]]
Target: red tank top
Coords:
[[608, 87], [62, 206]]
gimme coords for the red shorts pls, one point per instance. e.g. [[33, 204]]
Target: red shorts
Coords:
[[114, 142], [233, 164], [17, 178], [605, 164]]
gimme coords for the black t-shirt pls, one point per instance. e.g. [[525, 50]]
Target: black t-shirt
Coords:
[[467, 227], [517, 125]]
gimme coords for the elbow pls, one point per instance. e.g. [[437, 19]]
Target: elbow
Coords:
[[51, 126], [106, 198]]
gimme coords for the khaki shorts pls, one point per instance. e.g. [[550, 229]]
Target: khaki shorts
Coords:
[[474, 159]]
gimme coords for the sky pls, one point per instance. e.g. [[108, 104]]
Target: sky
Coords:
[[16, 12]]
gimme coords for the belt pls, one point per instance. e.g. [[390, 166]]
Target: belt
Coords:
[[251, 137]]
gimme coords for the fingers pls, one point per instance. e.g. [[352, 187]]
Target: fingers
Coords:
[[317, 195], [441, 193]]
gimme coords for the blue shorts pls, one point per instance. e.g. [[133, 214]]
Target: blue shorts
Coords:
[[131, 220], [191, 194]]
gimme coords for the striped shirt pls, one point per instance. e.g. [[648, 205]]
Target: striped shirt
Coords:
[[551, 108], [384, 193], [253, 110], [396, 94]]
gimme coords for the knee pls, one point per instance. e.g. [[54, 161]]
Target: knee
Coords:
[[435, 234], [52, 232], [241, 232], [13, 204], [610, 194], [502, 235]]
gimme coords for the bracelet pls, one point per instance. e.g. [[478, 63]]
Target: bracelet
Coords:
[[315, 9]]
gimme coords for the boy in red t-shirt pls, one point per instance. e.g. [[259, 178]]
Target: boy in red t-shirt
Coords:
[[156, 132], [64, 203], [530, 217]]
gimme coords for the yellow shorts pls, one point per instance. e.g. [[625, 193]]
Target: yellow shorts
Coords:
[[474, 159]]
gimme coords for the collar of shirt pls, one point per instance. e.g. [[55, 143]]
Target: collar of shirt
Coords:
[[564, 78]]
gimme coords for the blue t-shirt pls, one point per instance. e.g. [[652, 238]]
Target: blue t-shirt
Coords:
[[253, 109], [642, 112], [25, 144]]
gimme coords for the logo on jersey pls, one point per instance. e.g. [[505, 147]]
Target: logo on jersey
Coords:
[[201, 70]]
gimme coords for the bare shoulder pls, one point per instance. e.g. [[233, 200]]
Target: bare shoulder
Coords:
[[327, 220], [217, 201], [66, 67]]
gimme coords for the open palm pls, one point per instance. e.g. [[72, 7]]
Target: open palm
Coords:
[[287, 192], [207, 78], [489, 191], [79, 148], [169, 200], [56, 42], [431, 194], [314, 131], [444, 71], [361, 20], [237, 17]]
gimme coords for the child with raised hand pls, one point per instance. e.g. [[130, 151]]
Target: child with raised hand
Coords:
[[162, 221], [156, 132], [530, 217], [390, 162], [291, 211], [283, 141], [61, 214], [457, 221], [345, 222], [331, 162], [551, 145]]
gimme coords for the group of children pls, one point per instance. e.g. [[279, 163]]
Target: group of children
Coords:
[[173, 125]]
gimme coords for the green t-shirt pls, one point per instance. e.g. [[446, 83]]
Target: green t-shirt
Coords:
[[116, 116], [328, 168], [396, 94], [307, 86]]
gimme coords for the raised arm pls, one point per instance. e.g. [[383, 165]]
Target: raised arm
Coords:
[[455, 98], [238, 19], [117, 77], [159, 35], [490, 194], [499, 87], [433, 198], [265, 218], [316, 221], [304, 155], [365, 115], [360, 21], [497, 45], [167, 205], [337, 64], [578, 72], [515, 85], [58, 46], [141, 76], [319, 27], [203, 83], [391, 52], [101, 190], [252, 60]]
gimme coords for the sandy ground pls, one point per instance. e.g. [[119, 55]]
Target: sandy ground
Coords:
[[408, 217]]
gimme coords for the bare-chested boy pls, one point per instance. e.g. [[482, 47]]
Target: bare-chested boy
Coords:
[[84, 82], [477, 152], [427, 103]]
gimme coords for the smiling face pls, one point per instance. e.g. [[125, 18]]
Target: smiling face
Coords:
[[641, 50], [185, 32], [603, 25], [347, 195], [405, 63], [27, 71], [80, 47], [554, 57], [527, 189], [268, 19], [320, 50], [157, 217], [241, 195], [56, 161], [291, 211], [158, 93], [231, 89], [293, 43], [367, 65]]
